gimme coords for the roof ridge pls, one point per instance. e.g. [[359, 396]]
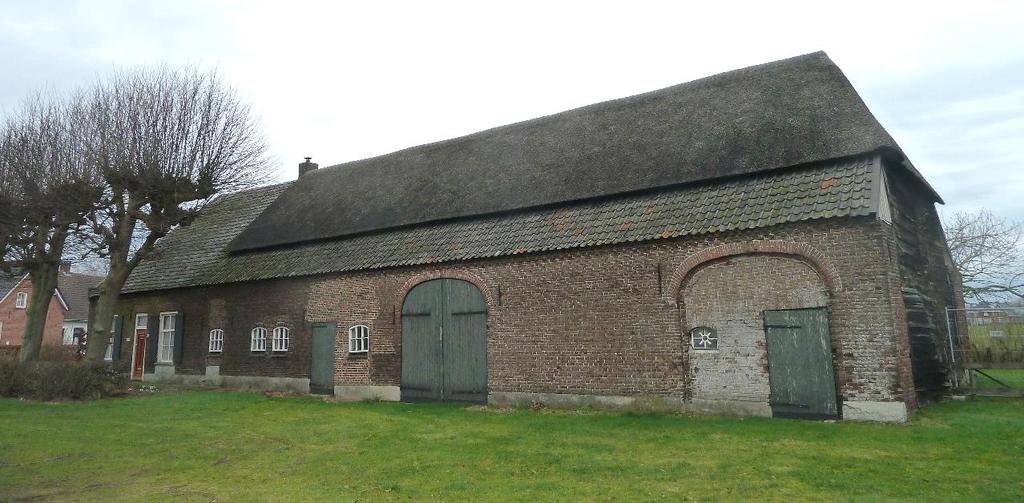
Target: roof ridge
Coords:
[[589, 107]]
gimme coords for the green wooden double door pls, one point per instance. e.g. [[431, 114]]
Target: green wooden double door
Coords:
[[444, 342], [800, 371]]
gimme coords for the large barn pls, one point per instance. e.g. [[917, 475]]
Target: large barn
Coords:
[[753, 242]]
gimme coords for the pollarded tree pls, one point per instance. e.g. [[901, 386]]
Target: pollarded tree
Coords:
[[47, 189], [166, 141]]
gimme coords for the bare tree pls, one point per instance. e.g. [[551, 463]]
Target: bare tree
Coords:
[[986, 249], [47, 189], [166, 141]]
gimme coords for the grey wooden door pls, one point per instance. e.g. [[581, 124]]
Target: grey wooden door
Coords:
[[800, 369], [321, 375], [444, 342]]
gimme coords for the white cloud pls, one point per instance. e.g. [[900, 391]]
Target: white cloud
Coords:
[[341, 81]]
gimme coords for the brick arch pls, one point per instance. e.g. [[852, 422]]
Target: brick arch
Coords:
[[425, 276], [821, 264]]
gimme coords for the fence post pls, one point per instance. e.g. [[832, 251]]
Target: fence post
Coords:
[[952, 351]]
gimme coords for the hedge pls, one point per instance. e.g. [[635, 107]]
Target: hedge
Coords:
[[53, 380]]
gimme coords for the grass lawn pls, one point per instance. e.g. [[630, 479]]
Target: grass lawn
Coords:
[[1013, 377], [205, 446]]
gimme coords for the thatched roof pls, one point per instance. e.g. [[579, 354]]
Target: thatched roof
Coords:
[[781, 114]]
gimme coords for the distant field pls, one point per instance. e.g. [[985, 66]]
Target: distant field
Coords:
[[219, 446], [1007, 347], [1012, 377]]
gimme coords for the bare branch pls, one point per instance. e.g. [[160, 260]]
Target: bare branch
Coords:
[[46, 191], [166, 141], [986, 249]]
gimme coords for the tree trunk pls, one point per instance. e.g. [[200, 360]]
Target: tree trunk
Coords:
[[102, 318], [44, 283]]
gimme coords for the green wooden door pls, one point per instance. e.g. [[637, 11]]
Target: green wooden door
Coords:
[[321, 375], [444, 342], [800, 369], [421, 342]]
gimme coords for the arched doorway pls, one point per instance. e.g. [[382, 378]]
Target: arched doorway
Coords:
[[444, 342], [757, 331]]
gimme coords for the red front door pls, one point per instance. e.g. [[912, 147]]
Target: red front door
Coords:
[[139, 355]]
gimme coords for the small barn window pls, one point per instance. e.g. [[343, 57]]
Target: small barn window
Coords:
[[359, 339], [280, 339], [703, 338], [216, 340], [21, 300], [258, 339]]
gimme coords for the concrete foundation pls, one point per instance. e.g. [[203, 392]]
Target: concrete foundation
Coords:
[[890, 412], [357, 393], [886, 412], [212, 378]]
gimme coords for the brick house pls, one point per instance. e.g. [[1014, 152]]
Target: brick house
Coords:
[[67, 317], [753, 242]]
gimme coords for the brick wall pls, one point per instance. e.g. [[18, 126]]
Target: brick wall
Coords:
[[731, 295], [602, 320], [236, 309], [13, 319]]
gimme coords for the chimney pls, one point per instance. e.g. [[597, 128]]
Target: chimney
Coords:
[[65, 266], [306, 167]]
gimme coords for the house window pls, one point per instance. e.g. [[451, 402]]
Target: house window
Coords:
[[166, 340], [258, 340], [21, 300], [280, 339], [216, 340], [141, 321], [109, 355], [703, 338], [996, 333], [67, 336], [359, 339]]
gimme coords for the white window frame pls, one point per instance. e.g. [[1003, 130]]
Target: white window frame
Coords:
[[144, 318], [109, 355], [21, 300], [217, 340], [258, 339], [359, 339], [279, 343], [165, 340]]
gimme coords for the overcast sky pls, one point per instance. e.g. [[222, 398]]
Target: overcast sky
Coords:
[[340, 83]]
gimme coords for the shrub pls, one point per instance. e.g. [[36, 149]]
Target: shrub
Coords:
[[47, 380], [9, 352], [51, 353]]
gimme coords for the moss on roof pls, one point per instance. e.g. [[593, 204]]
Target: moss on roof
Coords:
[[197, 255]]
